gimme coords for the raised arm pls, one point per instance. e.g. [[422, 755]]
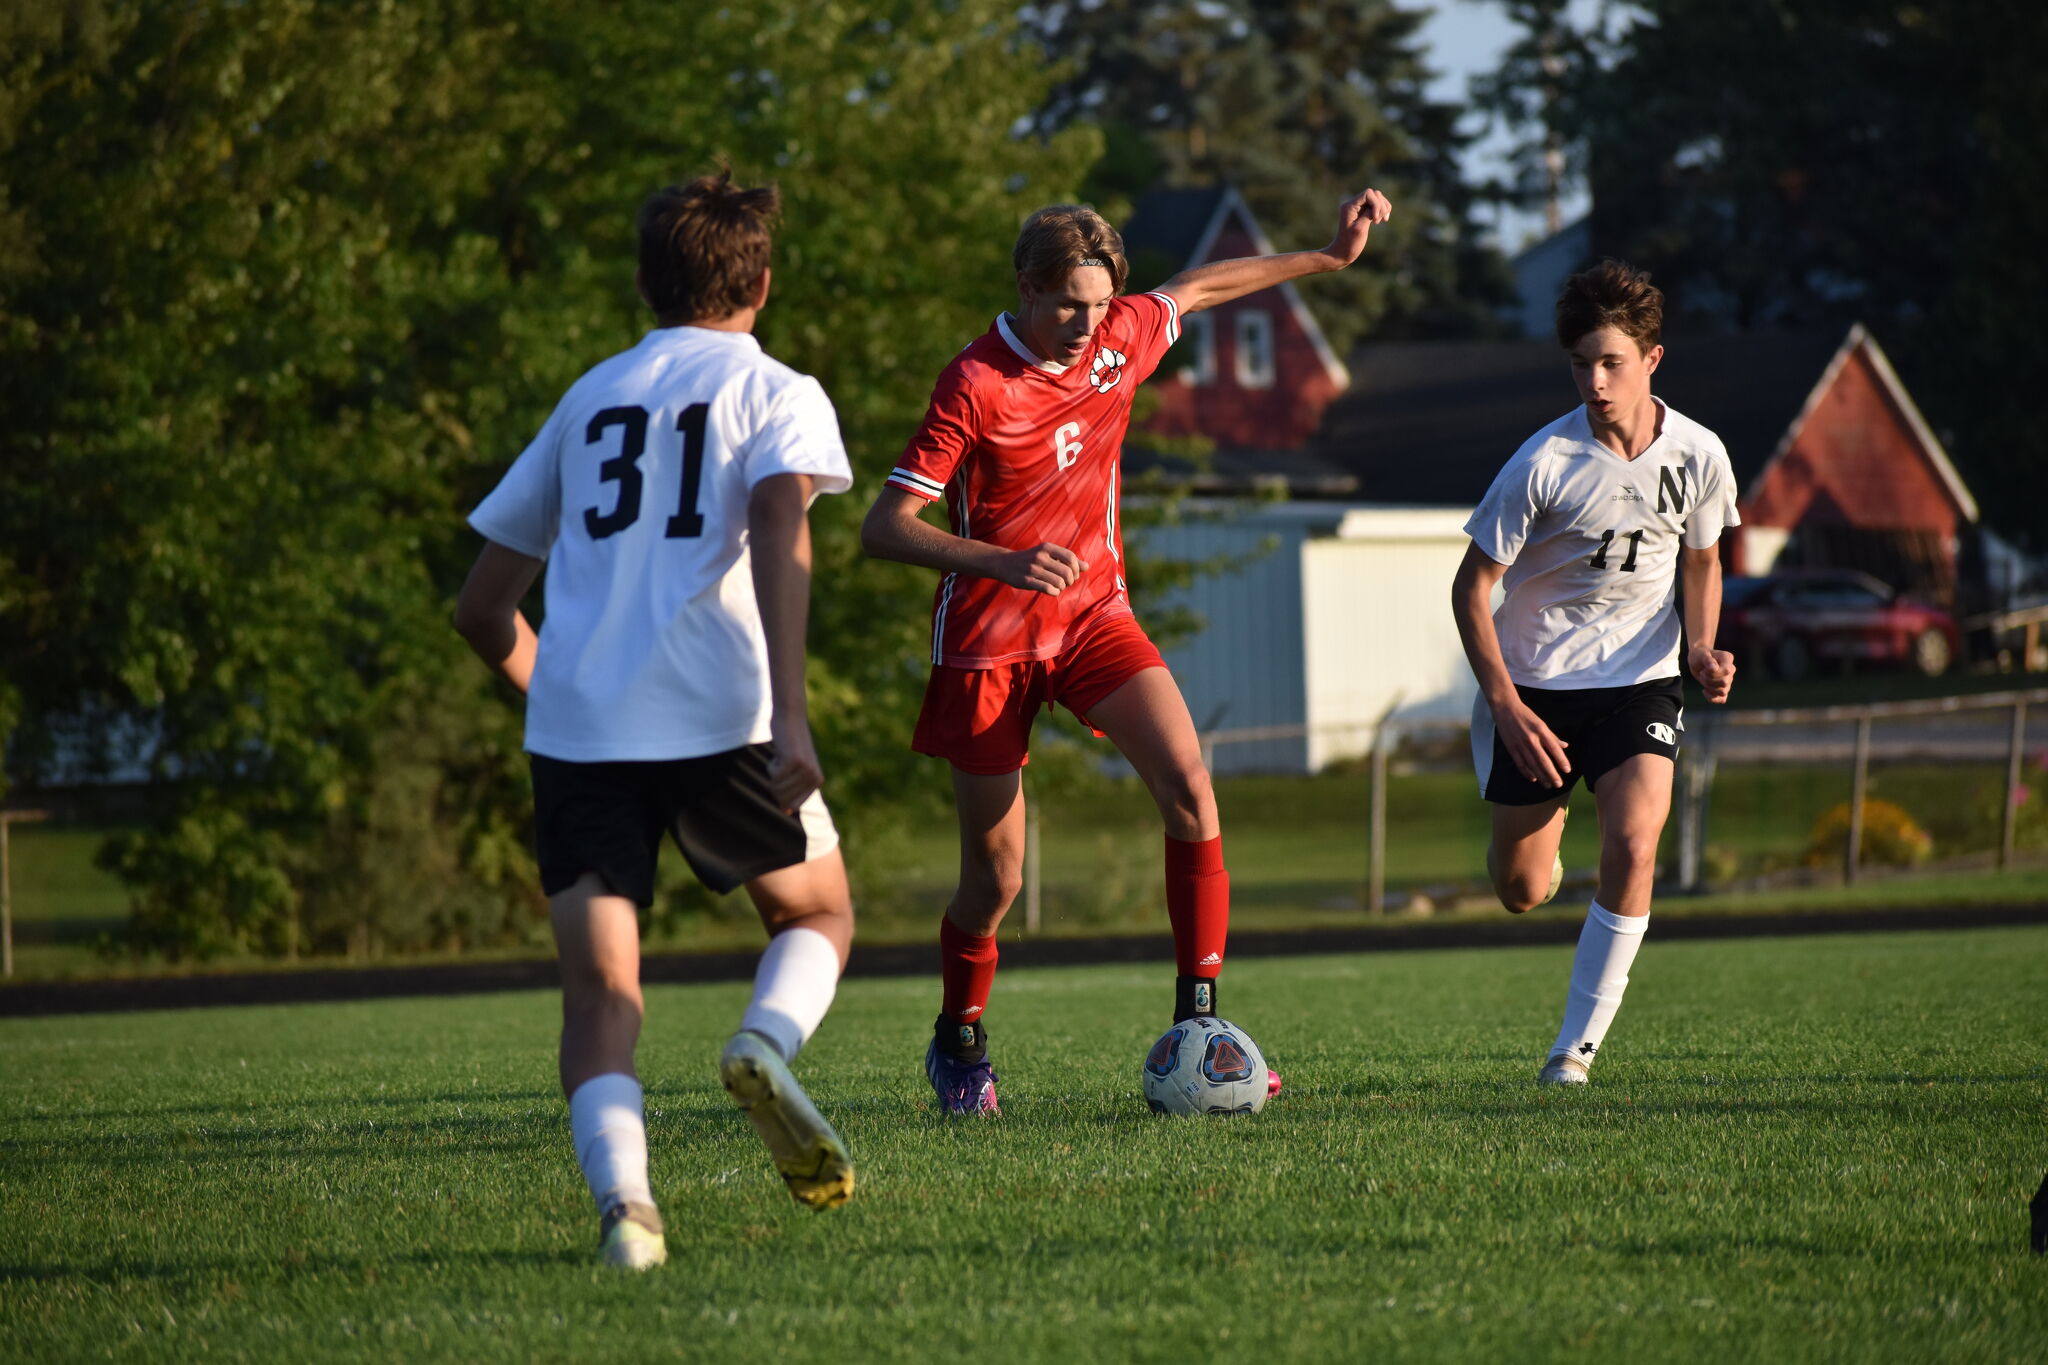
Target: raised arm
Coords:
[[1221, 281], [779, 543], [487, 612], [1701, 584], [893, 529], [1537, 751]]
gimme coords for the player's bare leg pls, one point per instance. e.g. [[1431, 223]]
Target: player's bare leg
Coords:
[[808, 913], [1148, 721], [1523, 858], [597, 939], [991, 811], [1634, 799]]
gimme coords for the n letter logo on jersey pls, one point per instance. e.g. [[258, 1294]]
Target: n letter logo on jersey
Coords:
[[1107, 369], [1672, 488]]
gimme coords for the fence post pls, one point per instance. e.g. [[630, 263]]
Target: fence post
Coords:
[[2008, 831], [1376, 866], [6, 904], [1689, 819], [1032, 880], [1855, 849]]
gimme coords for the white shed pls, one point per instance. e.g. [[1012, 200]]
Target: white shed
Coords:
[[1344, 615]]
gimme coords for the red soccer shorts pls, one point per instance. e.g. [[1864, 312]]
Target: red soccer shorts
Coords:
[[979, 719]]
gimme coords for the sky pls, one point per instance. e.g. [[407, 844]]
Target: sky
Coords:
[[1466, 38]]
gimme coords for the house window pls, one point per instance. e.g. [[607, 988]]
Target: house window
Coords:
[[1254, 348], [1198, 357]]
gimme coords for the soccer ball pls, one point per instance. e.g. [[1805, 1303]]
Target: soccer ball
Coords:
[[1205, 1066]]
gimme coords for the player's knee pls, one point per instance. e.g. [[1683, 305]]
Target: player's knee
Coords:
[[1634, 850], [1186, 800], [988, 888], [590, 990], [1519, 894]]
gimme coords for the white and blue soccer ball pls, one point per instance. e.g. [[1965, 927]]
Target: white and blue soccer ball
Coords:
[[1205, 1066]]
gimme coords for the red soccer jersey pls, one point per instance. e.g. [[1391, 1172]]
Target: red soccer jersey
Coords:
[[1026, 452]]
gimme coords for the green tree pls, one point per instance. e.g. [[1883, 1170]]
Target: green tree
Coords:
[[284, 288]]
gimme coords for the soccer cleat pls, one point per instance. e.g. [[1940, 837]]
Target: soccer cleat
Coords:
[[963, 1087], [1272, 1082], [1563, 1069], [630, 1238], [810, 1157]]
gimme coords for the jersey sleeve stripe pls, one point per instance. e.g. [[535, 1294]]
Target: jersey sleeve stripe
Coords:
[[914, 482], [1172, 316]]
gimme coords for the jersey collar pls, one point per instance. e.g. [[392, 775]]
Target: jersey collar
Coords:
[[1595, 445], [1025, 353]]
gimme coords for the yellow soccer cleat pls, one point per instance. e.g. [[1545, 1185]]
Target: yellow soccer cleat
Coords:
[[813, 1161], [631, 1238]]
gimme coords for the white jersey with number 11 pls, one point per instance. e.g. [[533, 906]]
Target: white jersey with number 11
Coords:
[[1591, 541]]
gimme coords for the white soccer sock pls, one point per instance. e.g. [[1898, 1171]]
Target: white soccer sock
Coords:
[[793, 987], [1607, 947], [608, 1125]]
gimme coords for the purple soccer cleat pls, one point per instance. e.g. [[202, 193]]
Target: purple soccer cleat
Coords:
[[962, 1087]]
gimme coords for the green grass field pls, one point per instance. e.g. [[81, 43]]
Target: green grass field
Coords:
[[1795, 1149]]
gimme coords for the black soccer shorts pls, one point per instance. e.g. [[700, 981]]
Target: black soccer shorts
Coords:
[[608, 818], [1604, 727]]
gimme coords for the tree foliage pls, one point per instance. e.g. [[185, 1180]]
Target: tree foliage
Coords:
[[1299, 104], [1779, 163], [284, 287]]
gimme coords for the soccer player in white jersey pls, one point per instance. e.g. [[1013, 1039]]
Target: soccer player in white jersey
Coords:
[[668, 496], [1589, 524]]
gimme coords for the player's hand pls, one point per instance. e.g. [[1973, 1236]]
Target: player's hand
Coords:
[[1538, 753], [1714, 669], [1048, 568], [1355, 217], [794, 772]]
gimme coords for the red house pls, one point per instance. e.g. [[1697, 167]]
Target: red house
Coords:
[[1857, 478], [1254, 374]]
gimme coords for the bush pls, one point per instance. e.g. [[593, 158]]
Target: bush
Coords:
[[1891, 837]]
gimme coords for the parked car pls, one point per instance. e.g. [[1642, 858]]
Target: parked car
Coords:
[[1792, 622]]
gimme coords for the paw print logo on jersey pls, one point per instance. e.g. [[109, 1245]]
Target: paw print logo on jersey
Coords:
[[1107, 369]]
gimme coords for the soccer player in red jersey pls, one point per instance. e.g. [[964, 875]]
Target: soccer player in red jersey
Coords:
[[1022, 439]]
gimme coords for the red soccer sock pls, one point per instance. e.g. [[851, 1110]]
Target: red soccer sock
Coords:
[[1198, 903], [967, 967]]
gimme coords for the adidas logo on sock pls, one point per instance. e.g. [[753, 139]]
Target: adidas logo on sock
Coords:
[[1212, 960], [970, 1011]]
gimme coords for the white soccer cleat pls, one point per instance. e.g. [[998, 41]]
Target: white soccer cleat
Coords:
[[812, 1160], [631, 1238], [1563, 1069]]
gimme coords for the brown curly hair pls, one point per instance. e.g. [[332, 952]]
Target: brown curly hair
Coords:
[[703, 245], [1611, 294]]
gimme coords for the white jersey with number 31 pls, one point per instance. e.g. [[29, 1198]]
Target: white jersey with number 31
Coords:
[[636, 494], [1590, 541]]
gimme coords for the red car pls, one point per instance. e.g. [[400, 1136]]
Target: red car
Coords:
[[1792, 622]]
